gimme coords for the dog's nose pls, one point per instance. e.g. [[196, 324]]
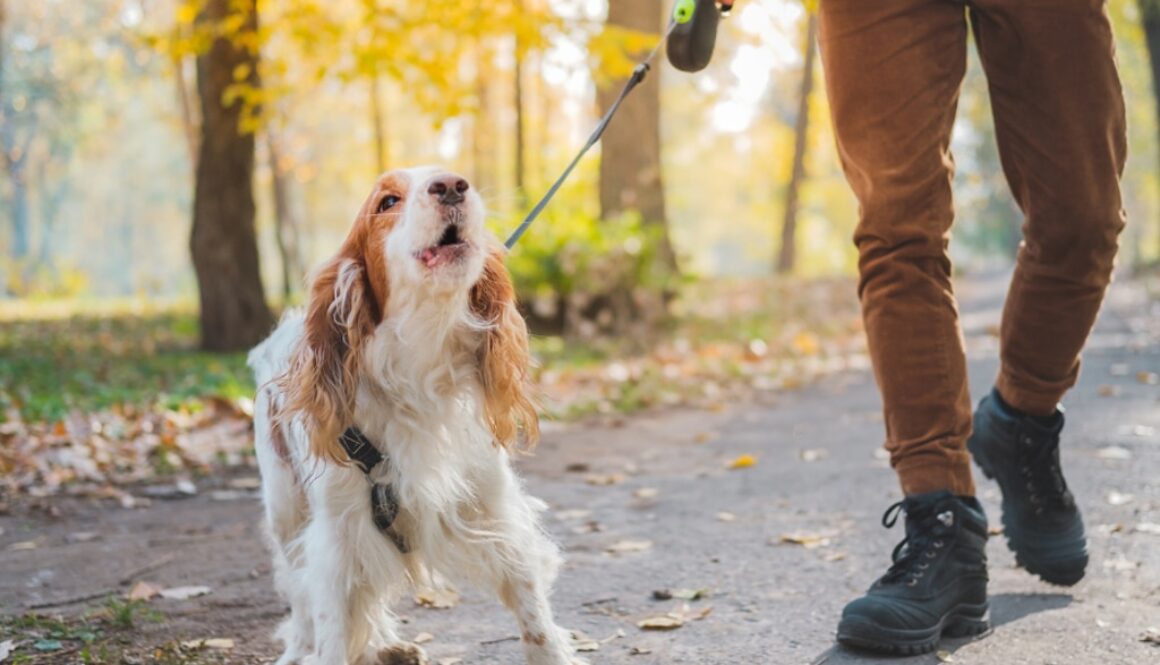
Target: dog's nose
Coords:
[[448, 189]]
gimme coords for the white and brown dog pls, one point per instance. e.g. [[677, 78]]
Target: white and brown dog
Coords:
[[412, 337]]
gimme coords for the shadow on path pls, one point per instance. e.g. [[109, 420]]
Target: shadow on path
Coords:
[[1005, 608]]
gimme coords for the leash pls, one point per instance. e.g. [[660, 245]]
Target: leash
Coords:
[[384, 502], [638, 76]]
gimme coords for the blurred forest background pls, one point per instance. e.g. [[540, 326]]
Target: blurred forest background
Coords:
[[170, 170]]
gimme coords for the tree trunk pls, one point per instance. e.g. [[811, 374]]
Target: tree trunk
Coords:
[[1150, 17], [185, 106], [483, 142], [285, 220], [234, 315], [787, 257], [630, 164]]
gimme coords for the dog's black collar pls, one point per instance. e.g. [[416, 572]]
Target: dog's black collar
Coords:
[[360, 450], [384, 503]]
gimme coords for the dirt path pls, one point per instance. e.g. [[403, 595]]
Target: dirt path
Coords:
[[817, 476]]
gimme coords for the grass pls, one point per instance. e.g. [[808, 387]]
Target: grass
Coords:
[[52, 366], [124, 355], [102, 636]]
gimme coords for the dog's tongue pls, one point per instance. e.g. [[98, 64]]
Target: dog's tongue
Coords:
[[433, 256]]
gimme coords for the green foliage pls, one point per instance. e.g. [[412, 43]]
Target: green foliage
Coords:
[[52, 366]]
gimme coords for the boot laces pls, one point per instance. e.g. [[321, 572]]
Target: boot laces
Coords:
[[927, 531], [1042, 474]]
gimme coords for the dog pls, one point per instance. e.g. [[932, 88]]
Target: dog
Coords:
[[412, 348]]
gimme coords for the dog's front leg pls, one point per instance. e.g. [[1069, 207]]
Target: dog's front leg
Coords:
[[545, 643]]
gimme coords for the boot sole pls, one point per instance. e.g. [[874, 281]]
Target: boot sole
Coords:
[[963, 621], [1063, 573]]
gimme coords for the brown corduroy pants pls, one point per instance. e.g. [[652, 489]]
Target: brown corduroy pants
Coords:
[[893, 73]]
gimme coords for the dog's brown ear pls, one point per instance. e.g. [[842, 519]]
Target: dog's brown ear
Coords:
[[504, 360], [323, 377]]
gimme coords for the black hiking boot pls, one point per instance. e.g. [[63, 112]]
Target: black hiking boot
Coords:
[[1040, 519], [937, 585]]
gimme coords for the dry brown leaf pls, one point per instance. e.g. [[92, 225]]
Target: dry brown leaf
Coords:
[[601, 480], [726, 517], [1151, 636], [835, 556], [1107, 390], [21, 546], [209, 643], [639, 651], [806, 540], [1148, 378], [646, 493], [704, 437], [423, 638], [143, 591], [945, 657], [627, 546], [663, 622], [437, 599]]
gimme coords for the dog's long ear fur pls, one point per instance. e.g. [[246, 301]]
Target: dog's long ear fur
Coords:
[[323, 377], [504, 360]]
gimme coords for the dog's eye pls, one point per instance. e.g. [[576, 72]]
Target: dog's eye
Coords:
[[388, 202]]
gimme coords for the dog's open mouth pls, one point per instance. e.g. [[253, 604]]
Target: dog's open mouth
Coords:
[[450, 247]]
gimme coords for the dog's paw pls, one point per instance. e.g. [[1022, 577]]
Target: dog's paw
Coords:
[[400, 654]]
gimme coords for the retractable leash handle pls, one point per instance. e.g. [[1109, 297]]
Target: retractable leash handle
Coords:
[[690, 38]]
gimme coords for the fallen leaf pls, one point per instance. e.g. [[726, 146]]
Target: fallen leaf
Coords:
[[814, 454], [423, 638], [583, 643], [646, 493], [578, 467], [26, 545], [1151, 636], [1148, 527], [185, 592], [246, 483], [626, 546], [82, 537], [1144, 431], [835, 556], [1114, 452], [209, 643], [995, 531], [1117, 498], [1148, 378], [438, 599], [48, 645], [604, 480], [639, 651], [591, 526], [1107, 390], [704, 437], [806, 540], [681, 594], [742, 462], [806, 344], [726, 517], [945, 657], [143, 591], [663, 622]]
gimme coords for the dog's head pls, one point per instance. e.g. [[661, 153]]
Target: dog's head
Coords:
[[420, 234]]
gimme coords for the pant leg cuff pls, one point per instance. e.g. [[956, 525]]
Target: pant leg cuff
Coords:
[[923, 477]]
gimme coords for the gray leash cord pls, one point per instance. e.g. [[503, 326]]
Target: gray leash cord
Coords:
[[637, 77]]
